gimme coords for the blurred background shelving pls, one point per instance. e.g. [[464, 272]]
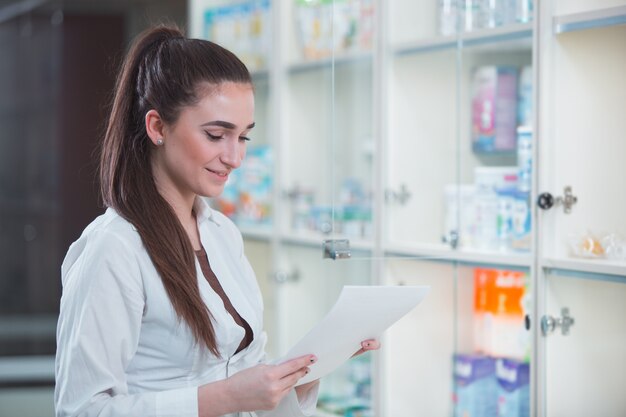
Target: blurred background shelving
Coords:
[[423, 133]]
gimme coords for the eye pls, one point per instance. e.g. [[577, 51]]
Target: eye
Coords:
[[214, 137], [244, 138]]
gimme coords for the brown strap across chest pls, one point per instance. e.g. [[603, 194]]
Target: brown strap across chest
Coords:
[[217, 287]]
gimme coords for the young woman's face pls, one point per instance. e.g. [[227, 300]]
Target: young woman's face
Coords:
[[206, 143]]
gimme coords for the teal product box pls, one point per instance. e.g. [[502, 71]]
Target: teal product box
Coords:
[[475, 386], [255, 182], [513, 390]]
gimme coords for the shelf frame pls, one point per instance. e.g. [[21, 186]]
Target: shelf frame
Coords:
[[589, 20], [595, 269], [481, 37], [329, 62], [474, 257]]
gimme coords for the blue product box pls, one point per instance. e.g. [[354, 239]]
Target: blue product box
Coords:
[[475, 386], [513, 389]]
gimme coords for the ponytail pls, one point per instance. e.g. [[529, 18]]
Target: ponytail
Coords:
[[163, 70]]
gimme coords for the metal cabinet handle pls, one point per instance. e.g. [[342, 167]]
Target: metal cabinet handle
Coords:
[[546, 201], [549, 323]]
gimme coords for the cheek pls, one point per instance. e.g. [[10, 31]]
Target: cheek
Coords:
[[202, 150]]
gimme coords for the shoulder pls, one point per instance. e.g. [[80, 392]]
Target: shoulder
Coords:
[[224, 230], [108, 239], [112, 228], [225, 224]]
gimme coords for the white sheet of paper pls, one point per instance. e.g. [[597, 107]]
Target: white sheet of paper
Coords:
[[360, 313]]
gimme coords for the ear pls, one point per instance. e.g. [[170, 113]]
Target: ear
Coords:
[[154, 126]]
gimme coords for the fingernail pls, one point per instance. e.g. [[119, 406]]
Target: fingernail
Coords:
[[307, 371], [313, 359], [366, 344]]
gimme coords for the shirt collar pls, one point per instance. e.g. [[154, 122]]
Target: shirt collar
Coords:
[[204, 211]]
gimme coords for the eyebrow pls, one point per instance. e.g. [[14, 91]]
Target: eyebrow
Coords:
[[226, 125]]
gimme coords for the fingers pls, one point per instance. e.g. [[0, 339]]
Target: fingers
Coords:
[[290, 380], [367, 345], [370, 344], [295, 365]]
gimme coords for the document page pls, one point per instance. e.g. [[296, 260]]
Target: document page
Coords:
[[360, 313]]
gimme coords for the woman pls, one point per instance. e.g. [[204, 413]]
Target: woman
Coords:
[[161, 314]]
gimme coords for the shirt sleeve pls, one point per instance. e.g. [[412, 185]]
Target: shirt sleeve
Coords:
[[97, 336]]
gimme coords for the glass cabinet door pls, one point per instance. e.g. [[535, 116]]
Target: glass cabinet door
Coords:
[[459, 92], [326, 177], [581, 206], [422, 128]]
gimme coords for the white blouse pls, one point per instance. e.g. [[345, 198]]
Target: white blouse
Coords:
[[121, 349]]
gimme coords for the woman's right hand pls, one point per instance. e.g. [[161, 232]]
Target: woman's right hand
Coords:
[[262, 387]]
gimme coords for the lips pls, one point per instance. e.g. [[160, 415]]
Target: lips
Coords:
[[220, 173], [221, 176]]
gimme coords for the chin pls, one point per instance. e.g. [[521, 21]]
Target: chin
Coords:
[[212, 192]]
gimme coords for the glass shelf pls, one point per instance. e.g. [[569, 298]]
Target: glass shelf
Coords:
[[471, 256], [313, 239], [518, 36], [589, 20], [601, 269], [326, 63]]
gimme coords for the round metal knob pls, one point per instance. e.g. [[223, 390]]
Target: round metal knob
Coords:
[[545, 201]]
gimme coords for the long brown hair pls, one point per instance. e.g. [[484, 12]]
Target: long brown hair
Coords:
[[164, 71]]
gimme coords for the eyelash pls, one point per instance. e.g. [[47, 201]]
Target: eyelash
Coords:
[[213, 137]]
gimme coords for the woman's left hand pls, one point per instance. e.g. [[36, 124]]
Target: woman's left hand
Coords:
[[367, 345]]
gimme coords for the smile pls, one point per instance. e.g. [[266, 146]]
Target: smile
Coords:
[[223, 174]]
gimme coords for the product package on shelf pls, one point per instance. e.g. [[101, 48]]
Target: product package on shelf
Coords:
[[592, 245], [513, 388], [355, 213], [475, 386], [459, 214], [525, 97], [494, 211], [469, 15], [501, 301], [351, 216], [334, 26], [495, 189], [494, 109], [243, 28], [247, 196]]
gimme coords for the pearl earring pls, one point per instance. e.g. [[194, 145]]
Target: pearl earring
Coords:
[[159, 142]]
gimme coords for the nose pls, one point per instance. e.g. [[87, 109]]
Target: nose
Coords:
[[232, 154]]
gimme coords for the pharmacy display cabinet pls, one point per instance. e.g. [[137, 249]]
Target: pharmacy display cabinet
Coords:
[[473, 146]]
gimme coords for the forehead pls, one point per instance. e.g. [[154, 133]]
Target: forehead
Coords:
[[232, 100]]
